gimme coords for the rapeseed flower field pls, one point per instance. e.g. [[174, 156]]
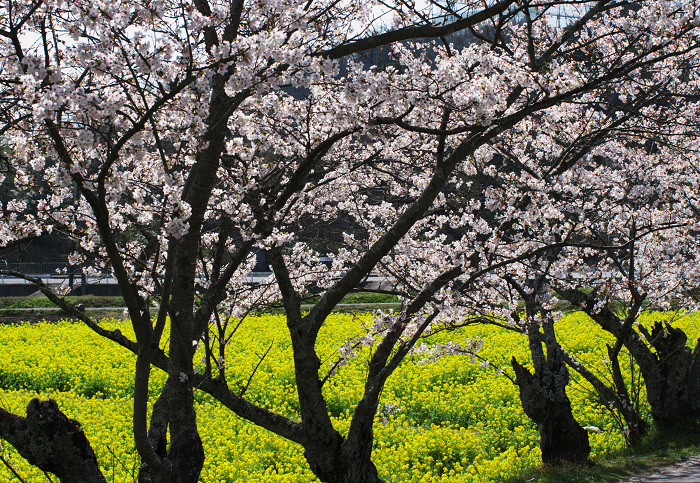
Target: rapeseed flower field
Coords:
[[448, 421]]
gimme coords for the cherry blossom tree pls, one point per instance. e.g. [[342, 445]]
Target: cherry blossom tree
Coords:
[[555, 183], [171, 140], [631, 224], [645, 237], [657, 270]]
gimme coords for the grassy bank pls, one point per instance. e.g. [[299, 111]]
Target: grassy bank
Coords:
[[14, 310], [90, 301]]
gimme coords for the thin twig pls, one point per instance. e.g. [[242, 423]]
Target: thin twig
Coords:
[[14, 472], [262, 358]]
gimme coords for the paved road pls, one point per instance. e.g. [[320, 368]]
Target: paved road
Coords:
[[687, 471]]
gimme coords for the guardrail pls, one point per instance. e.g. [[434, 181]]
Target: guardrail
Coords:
[[36, 268], [57, 273]]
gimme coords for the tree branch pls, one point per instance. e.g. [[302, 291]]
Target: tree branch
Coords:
[[47, 439]]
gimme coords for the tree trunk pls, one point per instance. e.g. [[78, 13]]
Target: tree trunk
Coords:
[[340, 464], [157, 437], [562, 439], [543, 393], [673, 393], [358, 471], [47, 439], [184, 457], [186, 452], [332, 458], [671, 373]]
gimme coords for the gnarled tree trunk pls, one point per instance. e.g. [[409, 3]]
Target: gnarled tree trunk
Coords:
[[673, 384], [544, 400], [543, 392], [671, 371], [47, 439]]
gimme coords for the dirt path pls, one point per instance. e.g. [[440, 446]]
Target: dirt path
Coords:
[[687, 471]]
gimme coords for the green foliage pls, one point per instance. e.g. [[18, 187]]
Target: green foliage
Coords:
[[350, 303], [369, 298], [92, 301], [450, 421]]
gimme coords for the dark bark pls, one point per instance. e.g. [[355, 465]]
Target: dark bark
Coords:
[[186, 452], [416, 32], [562, 439], [544, 399], [47, 439], [673, 393], [336, 460], [157, 438], [335, 464], [543, 392], [671, 370], [183, 459], [332, 458]]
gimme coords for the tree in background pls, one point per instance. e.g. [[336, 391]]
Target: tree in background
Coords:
[[562, 188], [630, 220], [172, 139], [656, 269]]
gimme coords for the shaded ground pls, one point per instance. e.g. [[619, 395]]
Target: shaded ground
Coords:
[[687, 471]]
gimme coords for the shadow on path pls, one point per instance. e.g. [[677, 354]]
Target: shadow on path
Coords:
[[687, 471]]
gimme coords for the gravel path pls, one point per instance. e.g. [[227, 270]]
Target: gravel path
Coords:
[[687, 471]]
